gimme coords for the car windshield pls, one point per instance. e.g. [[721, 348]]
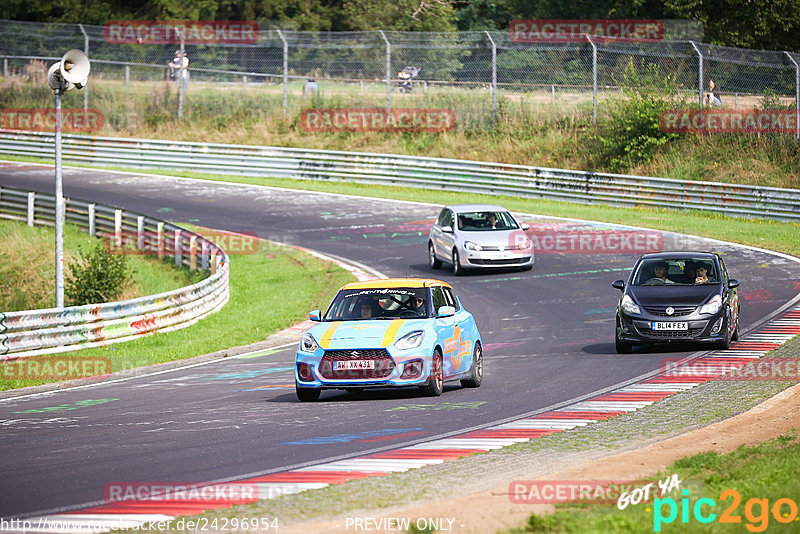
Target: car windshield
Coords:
[[675, 272], [378, 303], [485, 221]]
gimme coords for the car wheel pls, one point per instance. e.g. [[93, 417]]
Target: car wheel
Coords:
[[458, 270], [622, 346], [436, 381], [735, 335], [307, 394], [475, 377], [432, 260]]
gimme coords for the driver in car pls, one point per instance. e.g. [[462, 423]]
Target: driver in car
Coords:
[[660, 272]]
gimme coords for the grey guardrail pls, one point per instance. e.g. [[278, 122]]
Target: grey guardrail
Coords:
[[36, 332], [423, 172]]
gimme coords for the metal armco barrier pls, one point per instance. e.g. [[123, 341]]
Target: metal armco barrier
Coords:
[[36, 332], [430, 173]]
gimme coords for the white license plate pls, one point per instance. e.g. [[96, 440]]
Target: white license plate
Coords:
[[670, 326], [499, 255], [347, 365]]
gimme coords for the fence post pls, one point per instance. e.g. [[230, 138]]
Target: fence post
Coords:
[[160, 238], [85, 51], [244, 81], [180, 79], [140, 232], [127, 75], [699, 72], [5, 67], [553, 91], [204, 255], [388, 70], [193, 253], [796, 95], [594, 78], [494, 76], [118, 227], [285, 72], [31, 202]]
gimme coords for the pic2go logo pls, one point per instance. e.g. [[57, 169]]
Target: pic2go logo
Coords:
[[756, 511]]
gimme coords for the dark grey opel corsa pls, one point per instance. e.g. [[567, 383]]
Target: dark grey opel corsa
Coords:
[[677, 297]]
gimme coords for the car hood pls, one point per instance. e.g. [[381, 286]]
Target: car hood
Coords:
[[366, 334], [494, 238], [673, 295]]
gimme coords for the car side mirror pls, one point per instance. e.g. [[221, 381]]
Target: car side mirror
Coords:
[[445, 311], [314, 316], [447, 229], [618, 284], [732, 284], [525, 227]]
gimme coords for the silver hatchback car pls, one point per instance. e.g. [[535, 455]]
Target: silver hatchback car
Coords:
[[479, 236]]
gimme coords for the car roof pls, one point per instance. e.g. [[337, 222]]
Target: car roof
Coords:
[[391, 283], [461, 208], [680, 255]]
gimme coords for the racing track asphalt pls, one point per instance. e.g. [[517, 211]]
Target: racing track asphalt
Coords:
[[548, 336]]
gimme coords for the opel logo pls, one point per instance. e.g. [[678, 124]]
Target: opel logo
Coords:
[[669, 310]]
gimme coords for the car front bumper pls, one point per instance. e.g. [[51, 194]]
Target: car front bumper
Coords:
[[700, 330]]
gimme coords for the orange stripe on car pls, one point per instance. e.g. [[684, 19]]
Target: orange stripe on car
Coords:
[[325, 342], [394, 326]]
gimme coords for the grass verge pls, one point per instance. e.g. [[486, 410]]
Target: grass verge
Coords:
[[746, 484], [269, 290]]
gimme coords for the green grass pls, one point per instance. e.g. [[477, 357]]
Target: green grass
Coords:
[[767, 470], [270, 290], [33, 286]]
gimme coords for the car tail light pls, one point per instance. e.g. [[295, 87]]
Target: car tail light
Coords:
[[412, 369], [305, 372]]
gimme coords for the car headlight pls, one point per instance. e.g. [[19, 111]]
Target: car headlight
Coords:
[[630, 307], [308, 343], [712, 306], [469, 245], [411, 340]]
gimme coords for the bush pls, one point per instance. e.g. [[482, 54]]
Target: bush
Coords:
[[629, 133], [98, 276]]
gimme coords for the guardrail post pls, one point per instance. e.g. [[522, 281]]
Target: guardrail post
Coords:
[[91, 219], [177, 248], [204, 255], [160, 238], [118, 227], [213, 260], [494, 76], [140, 232], [699, 73], [388, 70], [796, 95], [193, 253], [127, 75], [285, 72], [31, 208]]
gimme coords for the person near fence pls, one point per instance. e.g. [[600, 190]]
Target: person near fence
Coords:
[[175, 68], [711, 98], [310, 87]]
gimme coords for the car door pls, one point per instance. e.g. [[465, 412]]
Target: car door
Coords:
[[448, 335], [443, 241], [730, 296], [467, 331]]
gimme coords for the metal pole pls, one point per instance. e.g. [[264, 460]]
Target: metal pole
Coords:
[[59, 209], [796, 95], [494, 76], [388, 70], [285, 72], [594, 78], [699, 73], [85, 51], [127, 75], [5, 67], [180, 78]]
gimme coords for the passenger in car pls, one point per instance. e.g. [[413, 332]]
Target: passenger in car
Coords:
[[701, 274], [688, 273]]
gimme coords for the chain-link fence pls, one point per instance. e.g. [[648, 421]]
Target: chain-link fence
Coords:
[[480, 75]]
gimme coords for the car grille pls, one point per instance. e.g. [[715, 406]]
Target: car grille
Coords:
[[660, 311], [509, 261], [670, 334], [384, 365]]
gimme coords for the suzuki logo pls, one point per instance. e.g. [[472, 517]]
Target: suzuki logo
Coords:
[[354, 353], [669, 310]]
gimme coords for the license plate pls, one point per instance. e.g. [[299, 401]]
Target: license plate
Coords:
[[499, 255], [347, 365], [670, 326]]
